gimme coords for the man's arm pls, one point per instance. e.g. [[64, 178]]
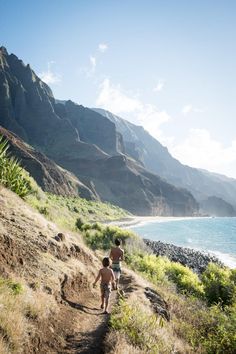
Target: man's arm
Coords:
[[97, 278], [111, 254], [122, 255], [113, 280]]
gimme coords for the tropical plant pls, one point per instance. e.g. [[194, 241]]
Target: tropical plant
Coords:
[[12, 175]]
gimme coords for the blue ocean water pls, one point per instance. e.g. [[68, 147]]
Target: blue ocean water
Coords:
[[213, 235]]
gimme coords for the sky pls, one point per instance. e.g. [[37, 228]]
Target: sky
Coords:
[[167, 65]]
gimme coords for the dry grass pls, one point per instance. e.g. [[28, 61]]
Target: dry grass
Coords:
[[116, 343], [17, 312]]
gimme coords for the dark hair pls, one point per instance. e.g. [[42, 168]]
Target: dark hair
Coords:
[[106, 262], [117, 242]]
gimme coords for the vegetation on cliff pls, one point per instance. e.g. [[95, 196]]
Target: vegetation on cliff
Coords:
[[202, 308], [12, 175]]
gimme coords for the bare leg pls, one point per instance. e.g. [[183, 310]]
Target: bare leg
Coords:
[[106, 304], [102, 298]]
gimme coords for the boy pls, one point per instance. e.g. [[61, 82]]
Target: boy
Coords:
[[116, 255], [107, 277]]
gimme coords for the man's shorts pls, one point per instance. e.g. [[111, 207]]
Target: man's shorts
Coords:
[[116, 270], [105, 290]]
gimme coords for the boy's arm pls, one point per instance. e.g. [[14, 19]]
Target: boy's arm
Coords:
[[97, 278]]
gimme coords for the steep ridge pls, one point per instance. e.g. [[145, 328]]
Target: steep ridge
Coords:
[[121, 181], [83, 142], [60, 272], [49, 176], [143, 147]]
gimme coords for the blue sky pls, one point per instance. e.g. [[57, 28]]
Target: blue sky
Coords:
[[168, 65]]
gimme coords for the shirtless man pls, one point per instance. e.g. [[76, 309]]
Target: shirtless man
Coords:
[[107, 278], [117, 255]]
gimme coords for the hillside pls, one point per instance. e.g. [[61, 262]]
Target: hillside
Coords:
[[144, 148], [50, 274], [84, 143], [59, 310]]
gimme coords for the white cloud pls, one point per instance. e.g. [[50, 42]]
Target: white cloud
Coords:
[[159, 86], [114, 99], [48, 76], [200, 150], [102, 47], [187, 109], [93, 63]]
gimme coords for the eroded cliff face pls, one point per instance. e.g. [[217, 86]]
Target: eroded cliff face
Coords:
[[48, 175], [156, 158], [92, 128], [83, 142]]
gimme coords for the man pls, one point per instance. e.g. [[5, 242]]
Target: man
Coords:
[[116, 255]]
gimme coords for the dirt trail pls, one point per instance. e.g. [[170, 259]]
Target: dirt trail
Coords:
[[90, 324]]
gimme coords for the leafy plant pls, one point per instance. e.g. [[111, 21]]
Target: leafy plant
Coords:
[[219, 285], [136, 324], [12, 175]]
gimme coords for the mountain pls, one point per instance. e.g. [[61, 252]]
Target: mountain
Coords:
[[144, 148], [217, 207], [83, 142], [48, 175]]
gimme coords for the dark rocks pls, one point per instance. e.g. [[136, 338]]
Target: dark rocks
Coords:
[[197, 261], [159, 305], [60, 237]]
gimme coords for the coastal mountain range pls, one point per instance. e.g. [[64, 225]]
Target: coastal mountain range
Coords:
[[73, 150], [155, 157]]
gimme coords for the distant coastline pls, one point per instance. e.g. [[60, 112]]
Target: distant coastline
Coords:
[[194, 259], [142, 220]]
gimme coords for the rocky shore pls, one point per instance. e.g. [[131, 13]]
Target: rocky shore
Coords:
[[195, 260]]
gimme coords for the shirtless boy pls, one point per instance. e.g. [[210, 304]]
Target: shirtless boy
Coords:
[[117, 255], [107, 278]]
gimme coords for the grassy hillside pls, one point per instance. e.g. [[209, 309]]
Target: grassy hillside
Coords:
[[67, 211], [47, 302]]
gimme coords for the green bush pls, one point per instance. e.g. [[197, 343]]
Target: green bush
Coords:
[[79, 223], [12, 176], [137, 325], [185, 279], [15, 287], [219, 285], [98, 236]]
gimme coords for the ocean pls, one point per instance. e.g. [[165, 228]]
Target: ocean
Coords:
[[216, 235]]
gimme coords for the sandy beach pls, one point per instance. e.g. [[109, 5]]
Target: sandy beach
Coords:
[[142, 220]]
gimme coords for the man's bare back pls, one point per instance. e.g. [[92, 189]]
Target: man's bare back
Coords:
[[116, 254]]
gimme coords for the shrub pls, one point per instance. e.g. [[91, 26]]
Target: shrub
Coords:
[[136, 324], [12, 176], [185, 279], [219, 285], [79, 223], [98, 236]]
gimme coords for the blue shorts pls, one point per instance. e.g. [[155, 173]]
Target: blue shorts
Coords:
[[116, 270]]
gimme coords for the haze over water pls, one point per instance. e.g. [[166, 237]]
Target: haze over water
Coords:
[[214, 235]]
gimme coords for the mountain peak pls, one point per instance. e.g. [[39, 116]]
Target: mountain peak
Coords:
[[3, 50]]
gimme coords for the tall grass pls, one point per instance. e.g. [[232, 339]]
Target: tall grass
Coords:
[[12, 175], [20, 306]]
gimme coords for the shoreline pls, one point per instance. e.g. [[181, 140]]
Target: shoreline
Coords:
[[142, 220], [195, 259]]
